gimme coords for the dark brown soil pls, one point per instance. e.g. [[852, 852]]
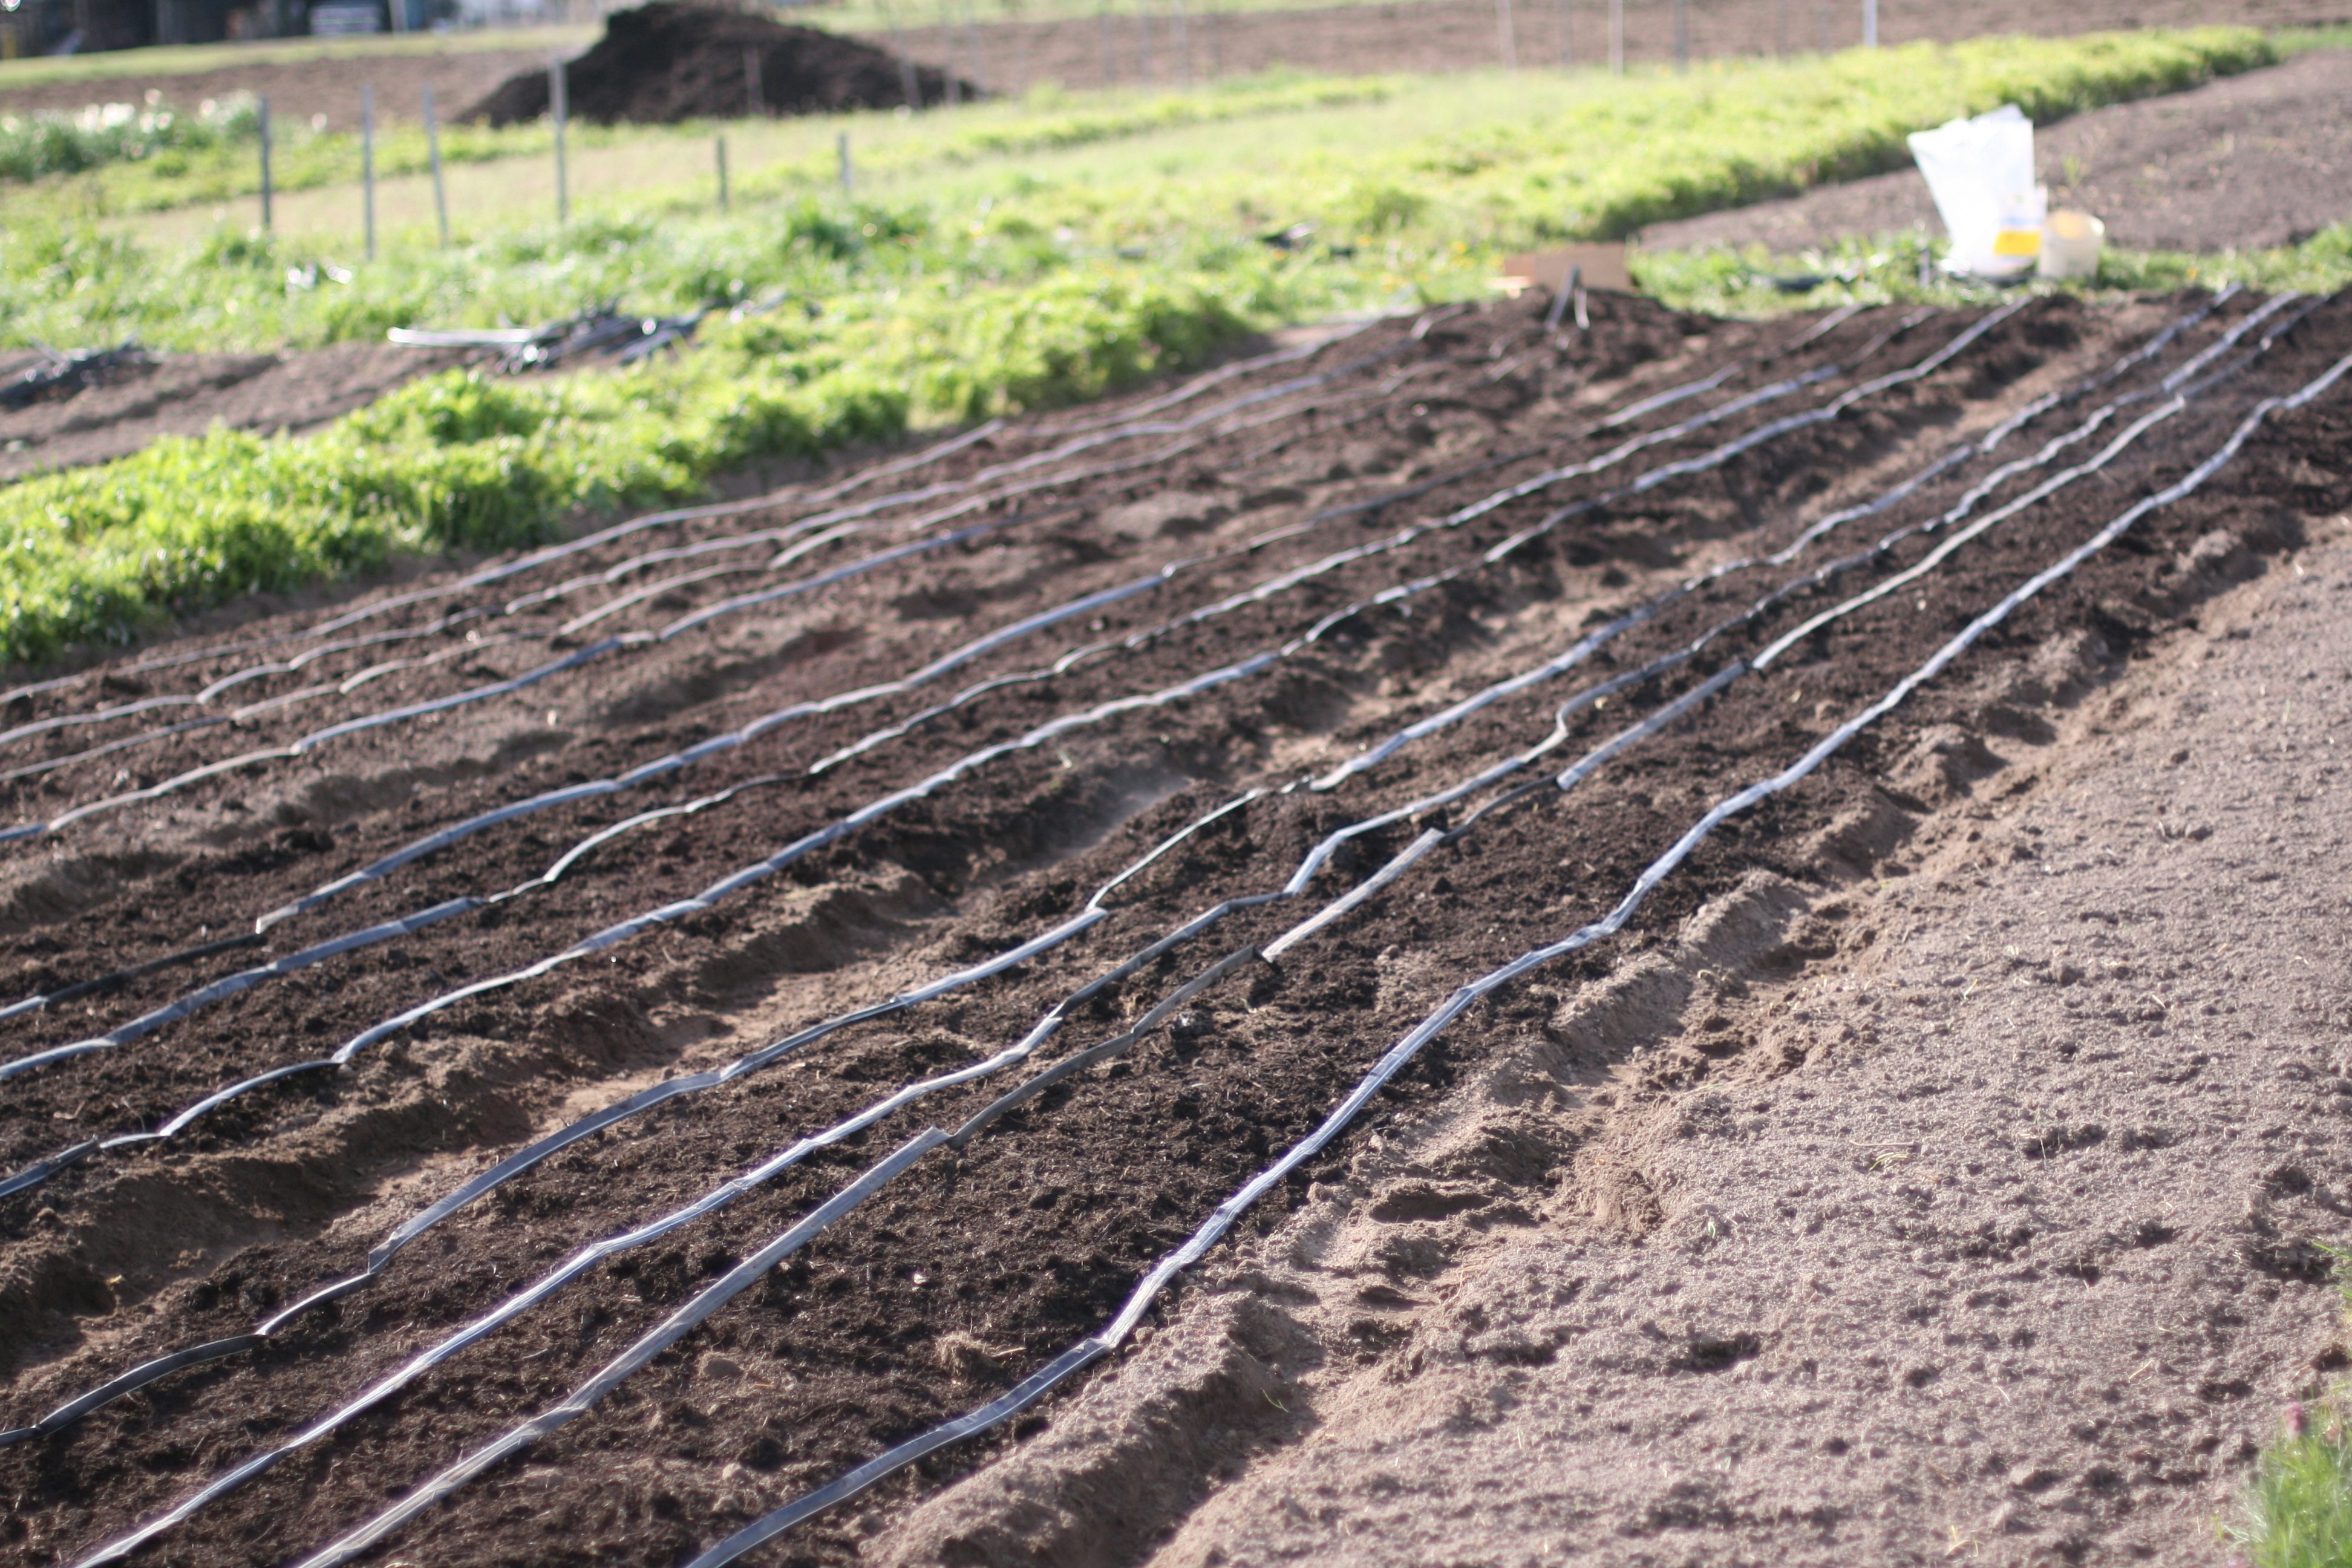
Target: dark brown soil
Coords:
[[2259, 160], [665, 62], [969, 1270], [186, 394]]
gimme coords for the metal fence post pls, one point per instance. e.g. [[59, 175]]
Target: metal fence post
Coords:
[[1870, 24], [1567, 37], [1682, 34], [433, 155], [722, 174], [1183, 46], [1102, 27], [367, 159], [557, 96], [1617, 36], [263, 114], [1510, 34], [848, 185]]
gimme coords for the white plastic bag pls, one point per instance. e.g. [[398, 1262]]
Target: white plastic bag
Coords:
[[1980, 173]]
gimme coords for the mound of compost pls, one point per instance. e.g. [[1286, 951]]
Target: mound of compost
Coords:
[[662, 63]]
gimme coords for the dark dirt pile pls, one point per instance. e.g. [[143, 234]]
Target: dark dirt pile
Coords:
[[662, 63], [974, 1267]]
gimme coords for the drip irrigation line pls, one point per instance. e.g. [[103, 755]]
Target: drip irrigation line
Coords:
[[759, 727], [204, 697], [1090, 914], [116, 978], [1188, 428], [984, 476], [595, 650], [672, 1329], [1106, 1340], [1416, 531], [149, 737], [627, 930], [536, 559], [1786, 387], [1770, 431], [2147, 351], [1650, 726], [221, 990], [255, 710], [748, 600], [1316, 857], [668, 914], [1335, 909], [1691, 389], [555, 1281], [315, 739], [1348, 901], [1379, 753], [2179, 384], [388, 930], [527, 563], [1829, 570]]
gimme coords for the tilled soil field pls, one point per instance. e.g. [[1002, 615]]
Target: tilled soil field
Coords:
[[1174, 758]]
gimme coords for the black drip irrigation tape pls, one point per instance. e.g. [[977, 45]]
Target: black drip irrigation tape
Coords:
[[790, 494], [843, 528], [1591, 762], [521, 564], [537, 559], [456, 1476], [380, 1257], [1083, 604], [1106, 1340], [549, 1284], [613, 935]]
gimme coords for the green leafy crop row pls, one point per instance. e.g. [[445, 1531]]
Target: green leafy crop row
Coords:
[[1005, 284]]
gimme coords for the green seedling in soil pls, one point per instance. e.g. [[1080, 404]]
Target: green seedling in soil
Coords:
[[2296, 1512], [997, 282]]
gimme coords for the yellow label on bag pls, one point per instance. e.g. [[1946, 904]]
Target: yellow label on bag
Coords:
[[2017, 242]]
